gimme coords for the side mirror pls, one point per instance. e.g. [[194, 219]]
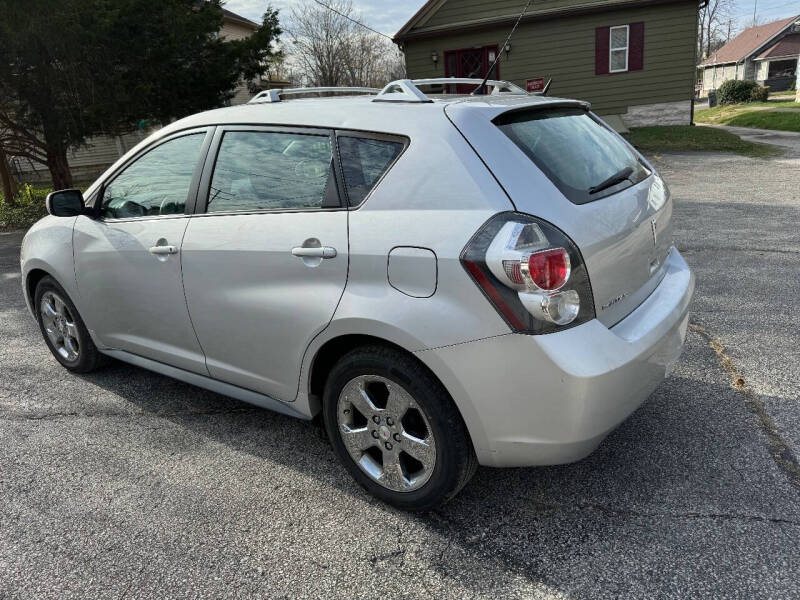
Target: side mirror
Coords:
[[65, 203]]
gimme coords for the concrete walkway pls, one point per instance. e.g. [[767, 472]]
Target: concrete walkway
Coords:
[[785, 139]]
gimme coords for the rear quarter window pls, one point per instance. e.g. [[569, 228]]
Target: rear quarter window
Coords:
[[364, 161], [583, 158]]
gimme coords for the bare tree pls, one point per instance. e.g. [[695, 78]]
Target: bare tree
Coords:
[[330, 49], [715, 26]]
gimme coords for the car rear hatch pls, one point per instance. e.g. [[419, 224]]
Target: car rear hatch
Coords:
[[559, 162]]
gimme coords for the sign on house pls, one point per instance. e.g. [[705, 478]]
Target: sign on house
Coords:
[[534, 85]]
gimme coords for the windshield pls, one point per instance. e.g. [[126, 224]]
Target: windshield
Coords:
[[580, 155]]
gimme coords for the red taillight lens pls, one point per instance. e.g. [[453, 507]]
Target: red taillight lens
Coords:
[[549, 269], [531, 272]]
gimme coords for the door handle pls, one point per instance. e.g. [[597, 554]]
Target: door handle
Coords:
[[318, 252], [163, 250]]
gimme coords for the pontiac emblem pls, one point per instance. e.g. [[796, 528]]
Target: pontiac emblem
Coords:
[[654, 229]]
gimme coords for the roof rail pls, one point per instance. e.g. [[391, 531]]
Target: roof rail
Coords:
[[275, 95], [407, 90]]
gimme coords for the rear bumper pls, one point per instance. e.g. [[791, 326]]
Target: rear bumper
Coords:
[[551, 399]]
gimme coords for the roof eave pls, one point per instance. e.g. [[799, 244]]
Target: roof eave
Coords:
[[409, 33], [232, 16], [779, 57]]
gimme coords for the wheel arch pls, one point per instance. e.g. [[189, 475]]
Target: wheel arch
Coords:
[[32, 279], [332, 349], [33, 275]]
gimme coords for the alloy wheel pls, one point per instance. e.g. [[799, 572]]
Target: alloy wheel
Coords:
[[386, 433], [60, 327]]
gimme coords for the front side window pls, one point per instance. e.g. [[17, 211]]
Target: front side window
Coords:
[[618, 49], [580, 155], [265, 170], [364, 161], [157, 183]]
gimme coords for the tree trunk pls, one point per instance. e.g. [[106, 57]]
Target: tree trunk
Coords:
[[9, 185], [59, 168]]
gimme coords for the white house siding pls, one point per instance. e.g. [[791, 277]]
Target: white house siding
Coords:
[[103, 149], [714, 76], [236, 31], [88, 161]]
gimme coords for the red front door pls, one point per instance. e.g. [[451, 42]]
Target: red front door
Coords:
[[472, 63]]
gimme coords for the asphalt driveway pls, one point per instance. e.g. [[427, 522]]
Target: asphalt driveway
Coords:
[[125, 483]]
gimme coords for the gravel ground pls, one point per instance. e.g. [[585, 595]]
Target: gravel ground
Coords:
[[125, 483]]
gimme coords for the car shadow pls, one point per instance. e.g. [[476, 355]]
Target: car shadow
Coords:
[[687, 452]]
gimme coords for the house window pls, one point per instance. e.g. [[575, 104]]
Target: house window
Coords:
[[618, 48]]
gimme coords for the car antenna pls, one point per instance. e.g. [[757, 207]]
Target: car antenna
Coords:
[[500, 49], [547, 87]]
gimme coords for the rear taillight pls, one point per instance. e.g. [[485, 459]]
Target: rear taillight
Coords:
[[531, 272]]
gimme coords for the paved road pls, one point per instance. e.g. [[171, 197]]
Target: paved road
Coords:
[[127, 484]]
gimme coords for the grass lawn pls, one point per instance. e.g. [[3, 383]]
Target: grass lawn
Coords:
[[762, 115], [686, 138], [767, 119]]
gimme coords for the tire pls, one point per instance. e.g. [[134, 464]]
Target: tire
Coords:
[[412, 449], [63, 329]]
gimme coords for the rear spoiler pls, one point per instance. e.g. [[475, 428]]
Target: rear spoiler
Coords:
[[544, 106]]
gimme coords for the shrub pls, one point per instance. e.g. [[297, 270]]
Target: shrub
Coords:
[[28, 208], [735, 91], [759, 94]]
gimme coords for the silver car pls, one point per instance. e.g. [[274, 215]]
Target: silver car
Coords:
[[445, 280]]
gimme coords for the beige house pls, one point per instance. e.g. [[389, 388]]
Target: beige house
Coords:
[[634, 60], [100, 152], [767, 54]]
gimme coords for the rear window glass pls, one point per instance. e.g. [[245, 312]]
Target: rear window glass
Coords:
[[579, 154], [364, 161], [267, 170]]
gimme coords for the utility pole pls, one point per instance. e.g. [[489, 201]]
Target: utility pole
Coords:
[[755, 6]]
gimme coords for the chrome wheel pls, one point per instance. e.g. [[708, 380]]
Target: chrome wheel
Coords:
[[386, 433], [60, 327]]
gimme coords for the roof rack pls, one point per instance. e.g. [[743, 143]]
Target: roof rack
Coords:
[[407, 90], [275, 95]]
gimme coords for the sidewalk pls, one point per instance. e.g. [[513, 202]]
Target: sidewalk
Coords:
[[785, 139]]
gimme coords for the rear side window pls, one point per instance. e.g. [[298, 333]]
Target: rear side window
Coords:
[[580, 155], [364, 161], [265, 170]]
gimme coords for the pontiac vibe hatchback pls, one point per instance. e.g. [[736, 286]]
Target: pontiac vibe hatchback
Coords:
[[446, 280]]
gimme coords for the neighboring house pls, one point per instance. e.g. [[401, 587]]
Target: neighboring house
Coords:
[[634, 60], [767, 54], [235, 27], [101, 152]]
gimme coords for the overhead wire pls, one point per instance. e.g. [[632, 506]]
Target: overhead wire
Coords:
[[349, 18], [500, 48]]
